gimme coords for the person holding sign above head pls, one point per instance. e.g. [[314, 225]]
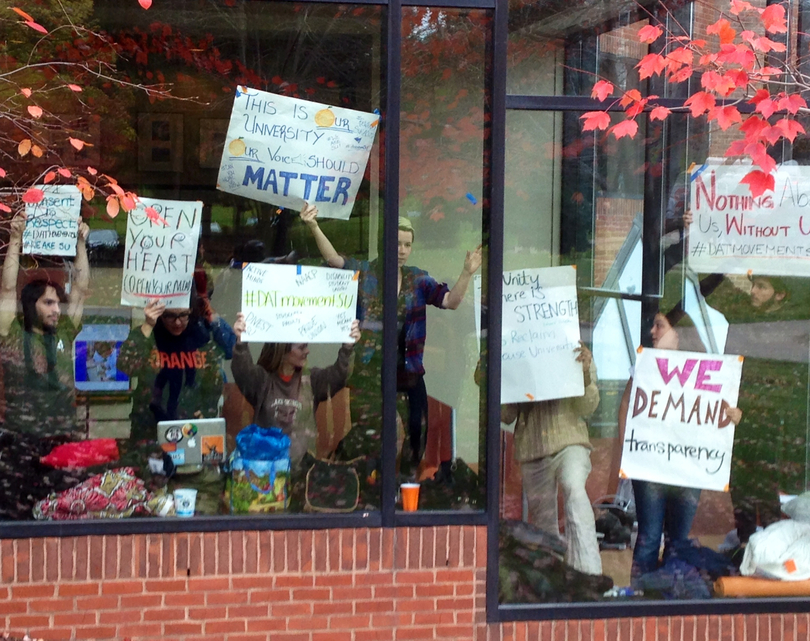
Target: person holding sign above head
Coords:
[[36, 350], [283, 392], [662, 508], [553, 449], [416, 289], [177, 356]]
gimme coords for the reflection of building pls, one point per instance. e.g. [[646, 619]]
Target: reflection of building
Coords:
[[481, 140]]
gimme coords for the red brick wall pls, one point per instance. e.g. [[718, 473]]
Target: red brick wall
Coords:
[[336, 585]]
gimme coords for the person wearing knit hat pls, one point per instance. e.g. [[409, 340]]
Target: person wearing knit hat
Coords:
[[416, 289]]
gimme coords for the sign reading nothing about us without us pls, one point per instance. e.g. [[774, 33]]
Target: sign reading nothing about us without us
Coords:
[[284, 151], [52, 224], [677, 430], [539, 333], [298, 304], [160, 252]]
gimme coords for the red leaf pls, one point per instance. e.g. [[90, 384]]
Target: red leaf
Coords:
[[737, 54], [792, 103], [601, 90], [154, 216], [773, 17], [725, 116], [145, 3], [767, 107], [75, 88], [772, 134], [36, 112], [49, 177], [77, 144], [65, 173], [630, 96], [758, 182], [651, 65], [627, 128], [36, 26], [92, 171], [713, 81], [761, 43], [33, 196], [25, 91], [738, 77], [759, 155], [595, 120], [723, 29], [738, 6], [659, 113], [2, 173], [680, 56], [684, 73], [22, 14], [5, 208], [737, 148], [752, 127], [649, 34], [699, 103], [790, 128]]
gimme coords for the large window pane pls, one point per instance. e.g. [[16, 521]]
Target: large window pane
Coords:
[[129, 378], [443, 196]]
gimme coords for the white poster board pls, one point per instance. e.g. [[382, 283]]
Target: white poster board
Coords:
[[734, 233], [283, 151], [52, 224], [540, 331], [298, 304], [160, 252], [677, 430]]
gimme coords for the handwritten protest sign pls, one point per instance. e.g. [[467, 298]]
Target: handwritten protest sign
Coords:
[[52, 224], [540, 330], [298, 304], [160, 252], [283, 151], [677, 430], [733, 232]]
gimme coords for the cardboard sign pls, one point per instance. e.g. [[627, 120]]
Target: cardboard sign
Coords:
[[160, 253], [733, 232], [52, 224], [540, 331], [677, 430], [298, 304], [284, 151]]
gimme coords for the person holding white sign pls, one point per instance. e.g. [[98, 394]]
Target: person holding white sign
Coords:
[[283, 394], [416, 289], [554, 452], [37, 349], [661, 508]]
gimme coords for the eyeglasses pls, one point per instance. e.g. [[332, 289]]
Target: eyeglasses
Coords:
[[171, 317]]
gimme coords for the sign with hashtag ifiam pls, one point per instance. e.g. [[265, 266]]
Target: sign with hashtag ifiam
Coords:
[[733, 232], [285, 151], [298, 304]]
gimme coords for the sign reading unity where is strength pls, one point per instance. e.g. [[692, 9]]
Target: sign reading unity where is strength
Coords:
[[733, 232], [540, 330], [677, 430], [298, 304], [160, 252], [52, 224], [283, 150]]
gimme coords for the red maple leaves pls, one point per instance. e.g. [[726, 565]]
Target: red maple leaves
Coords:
[[732, 67]]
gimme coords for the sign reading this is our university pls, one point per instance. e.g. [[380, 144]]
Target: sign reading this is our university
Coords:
[[677, 430], [284, 150], [732, 232], [540, 331], [160, 252], [298, 304], [52, 224]]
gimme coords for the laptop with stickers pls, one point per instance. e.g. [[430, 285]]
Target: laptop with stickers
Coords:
[[194, 442]]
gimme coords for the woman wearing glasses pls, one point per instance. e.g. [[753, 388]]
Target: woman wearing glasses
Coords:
[[177, 356]]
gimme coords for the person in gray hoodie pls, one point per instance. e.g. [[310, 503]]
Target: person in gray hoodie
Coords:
[[282, 391]]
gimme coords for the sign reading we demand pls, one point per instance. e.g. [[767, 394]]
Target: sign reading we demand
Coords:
[[284, 151], [732, 232], [677, 430]]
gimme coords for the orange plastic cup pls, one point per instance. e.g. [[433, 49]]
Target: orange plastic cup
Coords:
[[410, 496]]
